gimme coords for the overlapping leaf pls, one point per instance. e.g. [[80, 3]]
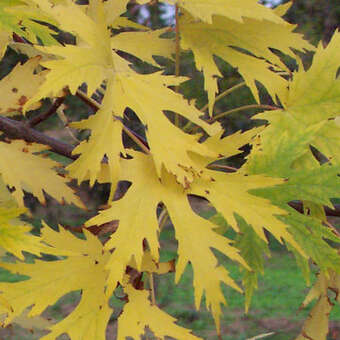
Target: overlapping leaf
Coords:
[[316, 326], [19, 86], [22, 170], [140, 222], [139, 313], [20, 17], [252, 248], [90, 61], [84, 270], [171, 148], [233, 9], [14, 234], [93, 61], [229, 194], [105, 140], [309, 118], [253, 36], [144, 44]]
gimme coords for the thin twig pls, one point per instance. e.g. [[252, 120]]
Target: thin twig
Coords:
[[44, 115], [177, 57], [223, 94], [163, 217], [139, 140], [242, 108], [152, 289], [228, 91], [220, 166]]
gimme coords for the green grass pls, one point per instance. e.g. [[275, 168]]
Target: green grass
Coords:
[[280, 294]]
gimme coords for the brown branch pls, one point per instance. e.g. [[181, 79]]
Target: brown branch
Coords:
[[19, 130], [44, 115]]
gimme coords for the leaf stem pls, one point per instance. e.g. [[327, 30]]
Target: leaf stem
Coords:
[[224, 93], [140, 141], [177, 57], [162, 218], [152, 289], [43, 116], [220, 166], [242, 108], [220, 96]]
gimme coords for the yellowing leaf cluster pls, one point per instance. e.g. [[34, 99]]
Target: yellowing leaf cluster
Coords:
[[172, 164]]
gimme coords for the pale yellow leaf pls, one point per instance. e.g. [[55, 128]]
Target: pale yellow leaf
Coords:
[[105, 139], [113, 9], [138, 222], [316, 326], [19, 86], [121, 22], [89, 61], [172, 147], [22, 170], [83, 269], [15, 235], [4, 41], [144, 45], [233, 9], [255, 37], [138, 313], [282, 9]]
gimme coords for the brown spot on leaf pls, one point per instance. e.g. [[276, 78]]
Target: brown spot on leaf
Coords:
[[14, 90], [22, 100]]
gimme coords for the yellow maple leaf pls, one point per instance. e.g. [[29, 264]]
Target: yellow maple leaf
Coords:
[[229, 145], [251, 35], [22, 170], [19, 86], [89, 61], [144, 45], [138, 313], [84, 270], [93, 61], [5, 38], [170, 148], [113, 9], [316, 326], [106, 139], [233, 9], [138, 221], [14, 234]]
